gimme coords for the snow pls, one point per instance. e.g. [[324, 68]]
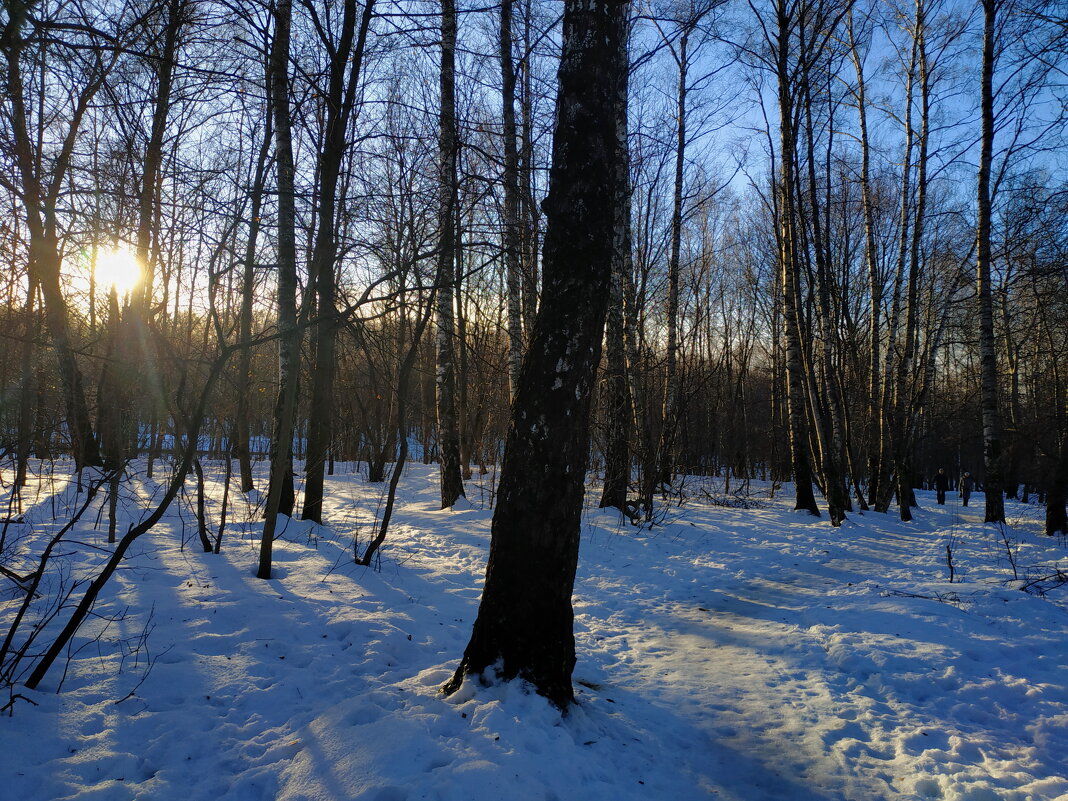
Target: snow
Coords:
[[725, 653]]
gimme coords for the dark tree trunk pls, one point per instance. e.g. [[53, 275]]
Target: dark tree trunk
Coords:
[[280, 487], [790, 279], [147, 217], [452, 485], [992, 480], [665, 466], [512, 255], [340, 101], [525, 620], [1057, 496], [618, 411], [26, 394], [242, 433]]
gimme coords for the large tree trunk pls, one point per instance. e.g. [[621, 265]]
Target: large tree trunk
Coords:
[[452, 485], [988, 396], [525, 621]]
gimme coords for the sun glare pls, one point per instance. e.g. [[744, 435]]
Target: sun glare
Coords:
[[118, 268]]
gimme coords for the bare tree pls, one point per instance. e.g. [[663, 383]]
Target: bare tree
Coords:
[[42, 177]]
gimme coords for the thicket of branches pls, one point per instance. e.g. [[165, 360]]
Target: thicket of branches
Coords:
[[800, 292]]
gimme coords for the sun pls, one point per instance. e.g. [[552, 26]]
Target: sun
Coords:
[[119, 268]]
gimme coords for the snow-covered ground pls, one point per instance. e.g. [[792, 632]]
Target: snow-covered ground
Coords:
[[727, 653]]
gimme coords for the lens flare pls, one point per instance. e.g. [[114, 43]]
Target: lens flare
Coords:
[[118, 268]]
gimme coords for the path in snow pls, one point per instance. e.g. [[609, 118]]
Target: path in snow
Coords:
[[729, 654]]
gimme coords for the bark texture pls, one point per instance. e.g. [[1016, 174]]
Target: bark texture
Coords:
[[525, 621]]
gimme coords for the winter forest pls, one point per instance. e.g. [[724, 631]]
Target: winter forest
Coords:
[[554, 337]]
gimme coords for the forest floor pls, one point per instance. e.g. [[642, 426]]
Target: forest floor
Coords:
[[726, 653]]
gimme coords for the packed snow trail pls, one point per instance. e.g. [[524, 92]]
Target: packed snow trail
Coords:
[[846, 668]]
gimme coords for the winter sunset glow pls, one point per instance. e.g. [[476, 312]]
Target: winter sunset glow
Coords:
[[118, 267]]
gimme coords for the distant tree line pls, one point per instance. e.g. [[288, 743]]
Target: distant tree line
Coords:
[[839, 253]]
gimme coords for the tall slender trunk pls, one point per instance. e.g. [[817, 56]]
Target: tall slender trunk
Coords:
[[1015, 410], [153, 157], [827, 416], [452, 486], [242, 432], [992, 479], [789, 274], [670, 413], [618, 412], [26, 391], [512, 254], [281, 481], [340, 102], [530, 211], [905, 384]]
